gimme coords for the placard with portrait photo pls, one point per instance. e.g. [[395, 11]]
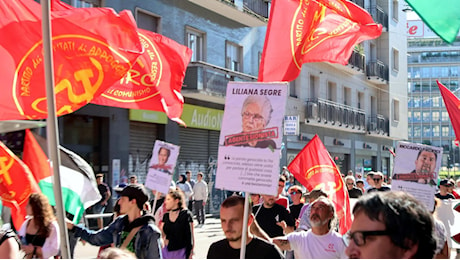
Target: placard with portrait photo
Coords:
[[416, 170], [251, 137], [161, 166]]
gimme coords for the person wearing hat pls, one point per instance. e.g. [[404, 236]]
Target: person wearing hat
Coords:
[[100, 206], [443, 193], [132, 230]]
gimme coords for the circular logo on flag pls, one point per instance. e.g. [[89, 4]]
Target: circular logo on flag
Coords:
[[83, 68], [140, 82]]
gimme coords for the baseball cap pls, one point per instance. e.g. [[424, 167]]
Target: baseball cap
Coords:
[[136, 191], [445, 182]]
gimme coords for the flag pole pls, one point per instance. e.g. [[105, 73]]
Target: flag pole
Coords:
[[244, 237], [51, 128]]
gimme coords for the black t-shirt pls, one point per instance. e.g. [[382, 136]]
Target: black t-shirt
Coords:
[[355, 193], [383, 188], [268, 217], [179, 232], [256, 249], [295, 210], [444, 197]]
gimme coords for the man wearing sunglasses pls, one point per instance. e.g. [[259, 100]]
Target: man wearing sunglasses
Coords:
[[378, 182], [321, 241], [391, 225], [353, 192]]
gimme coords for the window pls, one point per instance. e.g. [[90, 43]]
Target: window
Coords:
[[196, 41], [427, 131], [417, 131], [445, 116], [426, 116], [395, 10], [87, 3], [395, 110], [147, 20], [234, 56], [445, 131], [347, 96], [314, 81], [331, 91], [417, 116], [395, 59], [435, 116], [435, 101], [436, 130], [360, 100]]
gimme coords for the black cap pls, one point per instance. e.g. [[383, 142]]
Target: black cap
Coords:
[[445, 182], [136, 191]]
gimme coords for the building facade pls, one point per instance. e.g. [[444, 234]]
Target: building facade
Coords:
[[430, 59], [358, 110]]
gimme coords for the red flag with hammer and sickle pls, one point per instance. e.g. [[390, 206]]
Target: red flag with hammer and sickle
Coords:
[[16, 184], [92, 49], [301, 31]]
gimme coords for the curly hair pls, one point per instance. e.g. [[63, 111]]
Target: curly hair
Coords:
[[42, 212]]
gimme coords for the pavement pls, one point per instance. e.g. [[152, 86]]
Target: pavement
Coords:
[[205, 235]]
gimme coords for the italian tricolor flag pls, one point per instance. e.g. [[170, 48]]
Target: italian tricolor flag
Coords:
[[79, 188]]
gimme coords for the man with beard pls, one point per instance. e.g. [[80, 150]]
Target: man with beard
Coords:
[[232, 219], [320, 242]]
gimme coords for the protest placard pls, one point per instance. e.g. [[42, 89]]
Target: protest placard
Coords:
[[161, 166]]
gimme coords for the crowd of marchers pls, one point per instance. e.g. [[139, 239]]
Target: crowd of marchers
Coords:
[[296, 223]]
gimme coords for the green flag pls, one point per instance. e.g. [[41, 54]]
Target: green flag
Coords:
[[441, 16]]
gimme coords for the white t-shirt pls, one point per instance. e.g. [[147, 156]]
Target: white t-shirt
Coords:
[[307, 245]]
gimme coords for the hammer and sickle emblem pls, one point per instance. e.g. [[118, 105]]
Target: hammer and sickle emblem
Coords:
[[5, 166], [82, 76]]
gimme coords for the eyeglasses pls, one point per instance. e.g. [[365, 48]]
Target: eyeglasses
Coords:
[[255, 117], [377, 179], [359, 237], [350, 183]]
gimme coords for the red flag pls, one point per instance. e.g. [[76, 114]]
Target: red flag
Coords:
[[34, 157], [92, 49], [315, 169], [301, 31], [453, 108], [16, 184], [155, 80]]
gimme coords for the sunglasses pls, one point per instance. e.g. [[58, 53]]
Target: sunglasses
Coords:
[[350, 183], [294, 192], [377, 179]]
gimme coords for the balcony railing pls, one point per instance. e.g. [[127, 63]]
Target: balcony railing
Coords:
[[202, 76], [377, 124], [257, 7], [379, 15], [377, 69], [358, 60], [335, 114]]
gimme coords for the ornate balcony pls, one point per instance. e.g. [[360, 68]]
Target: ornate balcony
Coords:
[[331, 114], [250, 13], [377, 72], [378, 125], [209, 82]]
